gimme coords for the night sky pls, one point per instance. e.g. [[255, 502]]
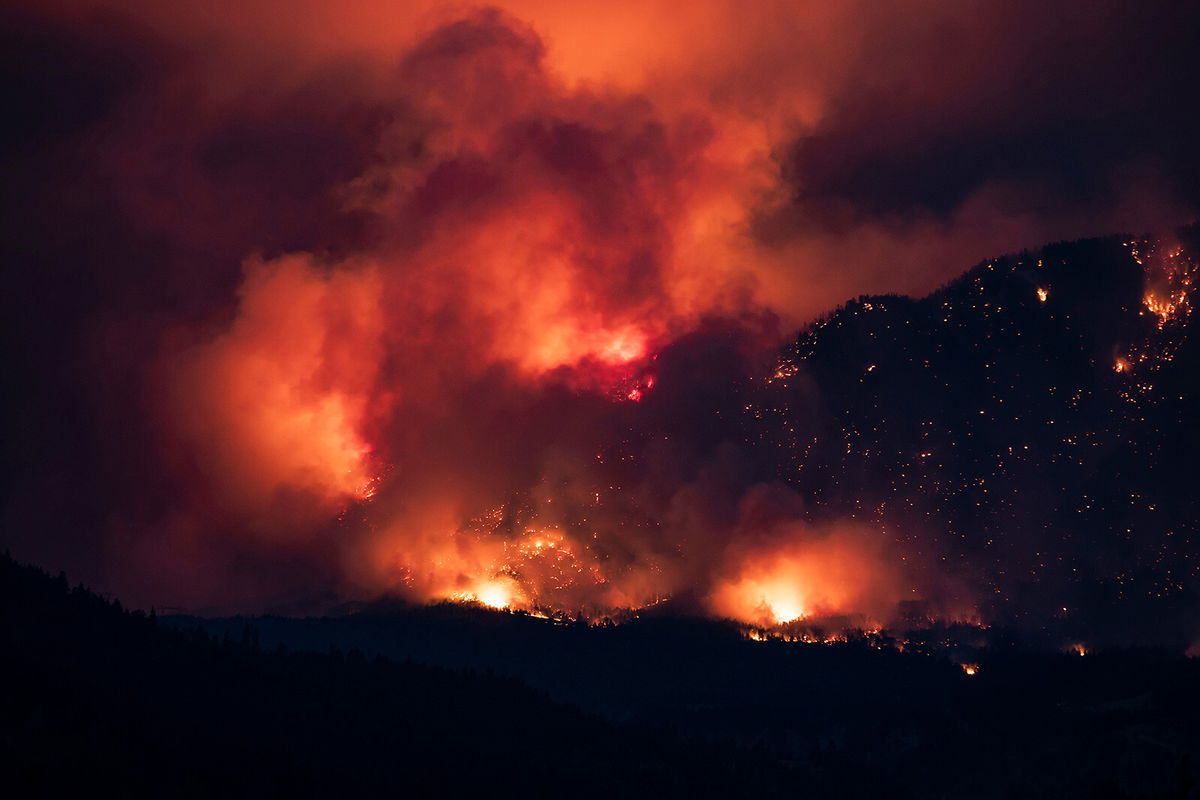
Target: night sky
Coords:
[[585, 310]]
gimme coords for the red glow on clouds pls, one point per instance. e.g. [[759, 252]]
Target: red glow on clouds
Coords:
[[461, 289], [280, 398], [537, 238]]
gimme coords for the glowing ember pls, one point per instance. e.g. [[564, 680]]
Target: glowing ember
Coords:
[[1042, 294], [1165, 307], [970, 669], [1169, 281]]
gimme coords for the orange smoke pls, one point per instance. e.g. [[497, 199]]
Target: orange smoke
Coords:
[[445, 407], [542, 231], [278, 401]]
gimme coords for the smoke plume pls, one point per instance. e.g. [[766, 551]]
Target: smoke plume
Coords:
[[316, 306]]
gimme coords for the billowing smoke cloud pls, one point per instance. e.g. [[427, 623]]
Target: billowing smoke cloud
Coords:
[[464, 304]]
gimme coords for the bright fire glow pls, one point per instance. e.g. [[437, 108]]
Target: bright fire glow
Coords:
[[495, 595], [777, 597], [622, 347], [498, 593], [1042, 294], [782, 607], [1170, 278], [843, 573]]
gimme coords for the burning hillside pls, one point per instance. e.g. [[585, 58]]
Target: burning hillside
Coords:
[[501, 305]]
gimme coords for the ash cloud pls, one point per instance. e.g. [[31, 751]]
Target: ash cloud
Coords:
[[957, 133]]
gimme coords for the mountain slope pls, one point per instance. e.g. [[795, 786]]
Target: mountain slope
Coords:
[[99, 699], [1031, 428]]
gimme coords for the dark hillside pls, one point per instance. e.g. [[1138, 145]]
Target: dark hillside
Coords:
[[1031, 428], [100, 700]]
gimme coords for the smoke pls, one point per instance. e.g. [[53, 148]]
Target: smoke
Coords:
[[535, 251], [464, 303]]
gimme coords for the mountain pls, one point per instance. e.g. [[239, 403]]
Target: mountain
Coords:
[[1031, 429]]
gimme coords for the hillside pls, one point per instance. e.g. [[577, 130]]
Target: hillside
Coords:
[[1031, 427], [106, 701]]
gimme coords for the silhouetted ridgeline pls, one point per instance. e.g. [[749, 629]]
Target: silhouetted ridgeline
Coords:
[[102, 702], [1031, 429]]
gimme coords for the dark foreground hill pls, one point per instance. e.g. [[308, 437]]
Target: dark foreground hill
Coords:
[[853, 720], [103, 701]]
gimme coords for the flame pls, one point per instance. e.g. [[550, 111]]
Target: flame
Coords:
[[540, 241], [1170, 278], [497, 593], [970, 669], [1165, 306], [841, 574], [1042, 294], [785, 606]]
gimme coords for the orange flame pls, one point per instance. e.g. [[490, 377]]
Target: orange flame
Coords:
[[842, 574]]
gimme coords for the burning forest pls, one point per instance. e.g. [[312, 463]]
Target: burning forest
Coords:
[[482, 313], [651, 336]]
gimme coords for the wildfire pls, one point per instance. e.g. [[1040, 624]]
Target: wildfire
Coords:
[[1042, 294], [1170, 278], [500, 593], [970, 669], [622, 347], [513, 557], [782, 603], [1166, 306], [496, 595], [841, 573], [775, 599], [785, 370]]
